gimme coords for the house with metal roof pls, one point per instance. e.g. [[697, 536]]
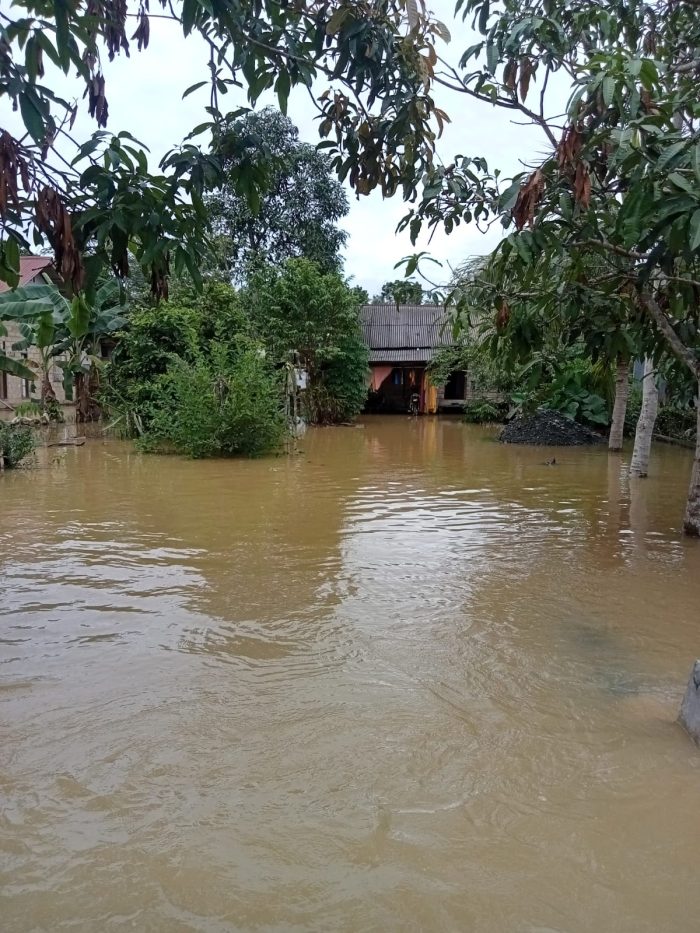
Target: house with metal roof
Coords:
[[402, 340]]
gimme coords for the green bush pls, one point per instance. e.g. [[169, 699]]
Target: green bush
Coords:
[[223, 405], [483, 412], [28, 410], [679, 421], [15, 444], [339, 391], [299, 309]]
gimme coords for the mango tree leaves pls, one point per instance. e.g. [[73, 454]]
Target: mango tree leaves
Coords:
[[114, 204]]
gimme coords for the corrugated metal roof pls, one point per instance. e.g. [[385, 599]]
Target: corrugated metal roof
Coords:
[[410, 331], [417, 355], [29, 268]]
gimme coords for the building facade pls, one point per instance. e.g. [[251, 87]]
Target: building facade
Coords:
[[402, 340]]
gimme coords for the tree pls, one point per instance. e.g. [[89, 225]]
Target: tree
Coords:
[[95, 199], [68, 329], [400, 292], [309, 316], [622, 392], [298, 205], [620, 181], [639, 465]]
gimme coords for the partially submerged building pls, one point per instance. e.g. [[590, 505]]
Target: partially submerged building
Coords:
[[402, 340]]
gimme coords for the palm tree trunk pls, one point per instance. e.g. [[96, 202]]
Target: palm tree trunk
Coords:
[[622, 392], [647, 419], [691, 523]]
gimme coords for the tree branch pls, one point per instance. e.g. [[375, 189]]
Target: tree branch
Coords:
[[684, 354]]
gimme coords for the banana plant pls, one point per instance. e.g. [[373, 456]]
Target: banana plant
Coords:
[[72, 329], [18, 307], [11, 366]]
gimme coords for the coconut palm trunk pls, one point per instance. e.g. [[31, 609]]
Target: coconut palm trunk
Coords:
[[691, 522], [647, 419], [622, 393]]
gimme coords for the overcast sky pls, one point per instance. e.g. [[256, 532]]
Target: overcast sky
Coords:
[[145, 91]]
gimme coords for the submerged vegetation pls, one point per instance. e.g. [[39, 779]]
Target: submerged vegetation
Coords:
[[206, 374], [16, 444], [220, 405]]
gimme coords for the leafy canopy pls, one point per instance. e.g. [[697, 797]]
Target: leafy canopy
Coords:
[[305, 315], [298, 205], [95, 200], [400, 292]]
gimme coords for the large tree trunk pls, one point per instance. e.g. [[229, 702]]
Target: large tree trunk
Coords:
[[691, 523], [647, 419], [622, 392]]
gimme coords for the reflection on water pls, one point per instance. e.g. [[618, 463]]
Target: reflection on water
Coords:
[[408, 679]]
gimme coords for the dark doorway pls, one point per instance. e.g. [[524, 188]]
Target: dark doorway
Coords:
[[455, 386]]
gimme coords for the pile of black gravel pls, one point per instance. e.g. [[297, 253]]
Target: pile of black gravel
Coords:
[[548, 429]]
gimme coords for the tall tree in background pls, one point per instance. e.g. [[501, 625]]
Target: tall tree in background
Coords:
[[296, 209], [400, 292], [310, 317]]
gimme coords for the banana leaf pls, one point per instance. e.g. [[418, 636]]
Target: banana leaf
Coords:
[[15, 367]]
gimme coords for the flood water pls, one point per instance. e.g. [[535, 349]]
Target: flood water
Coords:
[[407, 679]]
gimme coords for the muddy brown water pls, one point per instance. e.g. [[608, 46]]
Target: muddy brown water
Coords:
[[408, 679]]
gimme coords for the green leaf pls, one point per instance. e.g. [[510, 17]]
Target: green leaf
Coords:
[[31, 58], [694, 228], [79, 321], [491, 57], [510, 196], [680, 182], [670, 153], [15, 368], [648, 74], [11, 254], [608, 90], [194, 87], [45, 331], [31, 116], [189, 14], [484, 16], [282, 87], [13, 309], [336, 21]]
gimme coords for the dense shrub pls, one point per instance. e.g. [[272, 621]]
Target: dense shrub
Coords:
[[677, 415], [339, 391], [159, 381], [16, 443], [677, 421], [225, 404], [483, 411], [302, 312]]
